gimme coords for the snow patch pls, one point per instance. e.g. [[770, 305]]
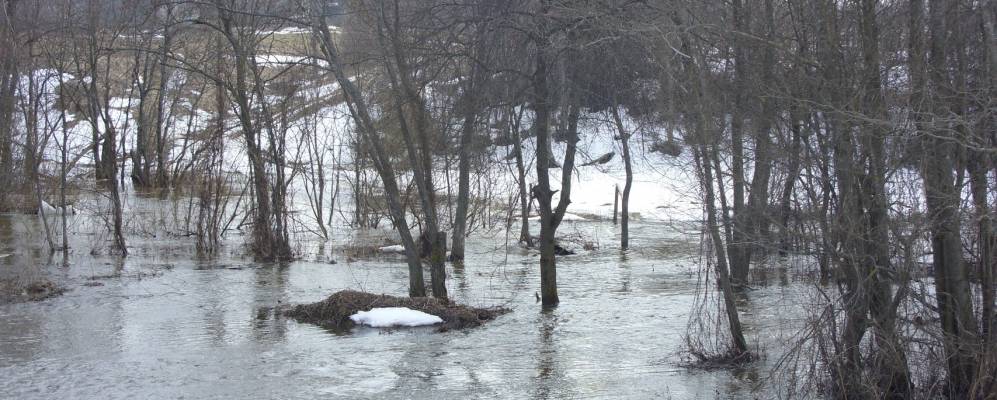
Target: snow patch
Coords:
[[567, 217], [394, 316], [396, 248], [48, 207], [288, 60]]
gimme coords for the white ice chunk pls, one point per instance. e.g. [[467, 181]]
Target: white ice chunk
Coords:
[[396, 248], [48, 207], [567, 217], [394, 316], [572, 217]]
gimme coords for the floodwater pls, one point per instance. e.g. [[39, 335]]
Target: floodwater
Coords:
[[161, 324]]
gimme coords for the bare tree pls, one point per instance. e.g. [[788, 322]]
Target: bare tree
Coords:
[[241, 29], [373, 146]]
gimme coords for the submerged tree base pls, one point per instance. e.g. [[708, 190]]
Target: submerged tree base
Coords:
[[334, 312], [709, 355], [731, 358]]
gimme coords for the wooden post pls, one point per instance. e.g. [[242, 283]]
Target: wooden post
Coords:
[[616, 201]]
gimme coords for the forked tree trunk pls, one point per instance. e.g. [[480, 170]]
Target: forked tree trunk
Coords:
[[463, 183], [524, 199], [550, 216], [419, 139], [542, 191], [628, 166]]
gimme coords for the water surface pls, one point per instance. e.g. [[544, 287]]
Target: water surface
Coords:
[[161, 324]]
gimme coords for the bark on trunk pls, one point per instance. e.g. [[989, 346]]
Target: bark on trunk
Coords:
[[524, 199], [627, 164], [8, 85], [894, 381], [162, 175], [723, 275], [738, 246], [542, 191], [785, 199], [112, 179], [463, 187], [437, 261], [951, 278], [550, 216]]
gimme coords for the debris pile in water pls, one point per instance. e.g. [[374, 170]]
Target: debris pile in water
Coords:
[[12, 291], [334, 312]]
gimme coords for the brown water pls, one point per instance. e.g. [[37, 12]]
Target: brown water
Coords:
[[164, 325]]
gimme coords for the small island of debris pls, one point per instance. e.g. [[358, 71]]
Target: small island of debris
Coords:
[[334, 312]]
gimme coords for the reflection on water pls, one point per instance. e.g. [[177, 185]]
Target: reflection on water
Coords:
[[163, 325], [550, 376]]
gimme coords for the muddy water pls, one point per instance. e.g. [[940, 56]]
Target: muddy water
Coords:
[[161, 324]]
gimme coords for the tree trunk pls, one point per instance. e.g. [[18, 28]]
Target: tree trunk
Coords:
[[550, 216], [942, 197], [723, 275], [463, 178], [702, 136], [846, 228], [793, 173], [736, 249], [524, 199], [8, 87], [890, 359], [409, 99], [112, 179], [108, 161], [361, 116], [627, 164], [162, 175], [753, 227], [979, 168], [438, 266], [979, 187], [140, 166], [542, 191]]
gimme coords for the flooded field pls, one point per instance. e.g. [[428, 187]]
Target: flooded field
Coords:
[[162, 324]]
